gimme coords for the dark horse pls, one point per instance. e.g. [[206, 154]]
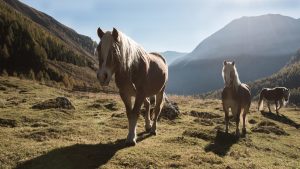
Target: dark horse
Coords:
[[278, 95]]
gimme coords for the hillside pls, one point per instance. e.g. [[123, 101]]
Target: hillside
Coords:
[[83, 44], [28, 50], [92, 136], [260, 46], [288, 76]]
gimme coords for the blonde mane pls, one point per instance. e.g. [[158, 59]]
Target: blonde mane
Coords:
[[128, 52], [227, 69]]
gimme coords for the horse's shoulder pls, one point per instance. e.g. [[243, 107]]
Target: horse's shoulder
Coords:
[[158, 55]]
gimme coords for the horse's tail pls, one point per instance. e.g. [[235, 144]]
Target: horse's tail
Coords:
[[261, 101], [166, 98]]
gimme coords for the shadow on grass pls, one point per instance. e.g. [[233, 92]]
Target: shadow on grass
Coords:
[[222, 143], [280, 118], [78, 156]]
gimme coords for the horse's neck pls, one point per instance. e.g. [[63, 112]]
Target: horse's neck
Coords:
[[236, 82]]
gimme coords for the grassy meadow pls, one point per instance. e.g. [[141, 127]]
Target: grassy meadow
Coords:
[[92, 135]]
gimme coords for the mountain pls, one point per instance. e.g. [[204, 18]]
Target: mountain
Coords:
[[260, 45], [170, 56], [29, 49], [81, 43]]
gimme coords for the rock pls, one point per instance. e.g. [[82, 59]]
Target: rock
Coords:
[[8, 123], [170, 111], [59, 102], [269, 127]]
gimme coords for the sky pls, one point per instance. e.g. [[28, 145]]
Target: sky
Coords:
[[160, 25]]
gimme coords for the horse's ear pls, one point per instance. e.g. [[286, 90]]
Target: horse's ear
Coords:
[[100, 33], [233, 63], [225, 63], [115, 34]]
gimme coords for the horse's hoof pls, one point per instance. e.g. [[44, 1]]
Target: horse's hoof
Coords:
[[130, 143], [153, 133], [237, 133], [148, 129], [244, 132]]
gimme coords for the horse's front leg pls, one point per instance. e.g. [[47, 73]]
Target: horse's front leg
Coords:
[[237, 120], [268, 103], [128, 105], [157, 110], [132, 118], [226, 111], [276, 107], [147, 115]]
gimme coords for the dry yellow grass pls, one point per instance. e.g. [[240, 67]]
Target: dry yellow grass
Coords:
[[91, 137]]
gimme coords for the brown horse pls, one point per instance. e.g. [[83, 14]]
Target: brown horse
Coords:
[[278, 95], [235, 95], [137, 74]]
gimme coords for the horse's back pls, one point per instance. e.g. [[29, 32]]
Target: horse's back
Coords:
[[232, 97], [273, 93], [156, 74]]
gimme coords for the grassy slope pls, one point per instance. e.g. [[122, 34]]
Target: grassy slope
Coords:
[[91, 138]]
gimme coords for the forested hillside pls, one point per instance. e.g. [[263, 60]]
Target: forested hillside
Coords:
[[29, 50], [288, 76], [83, 44]]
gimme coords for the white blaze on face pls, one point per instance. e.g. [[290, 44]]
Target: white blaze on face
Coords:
[[104, 72], [226, 73]]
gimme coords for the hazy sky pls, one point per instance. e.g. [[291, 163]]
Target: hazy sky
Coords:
[[160, 25]]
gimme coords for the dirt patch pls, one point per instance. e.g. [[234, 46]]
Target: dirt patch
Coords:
[[204, 122], [59, 102], [95, 106], [40, 124], [252, 121], [104, 103], [206, 115], [202, 134], [111, 106], [43, 135], [118, 115], [2, 105], [3, 88], [269, 127], [8, 123], [47, 134]]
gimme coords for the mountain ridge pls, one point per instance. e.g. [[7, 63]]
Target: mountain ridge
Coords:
[[263, 50]]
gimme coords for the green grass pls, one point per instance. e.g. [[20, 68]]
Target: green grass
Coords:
[[90, 137]]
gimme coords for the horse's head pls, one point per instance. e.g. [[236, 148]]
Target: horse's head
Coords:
[[107, 52], [228, 73], [286, 94]]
